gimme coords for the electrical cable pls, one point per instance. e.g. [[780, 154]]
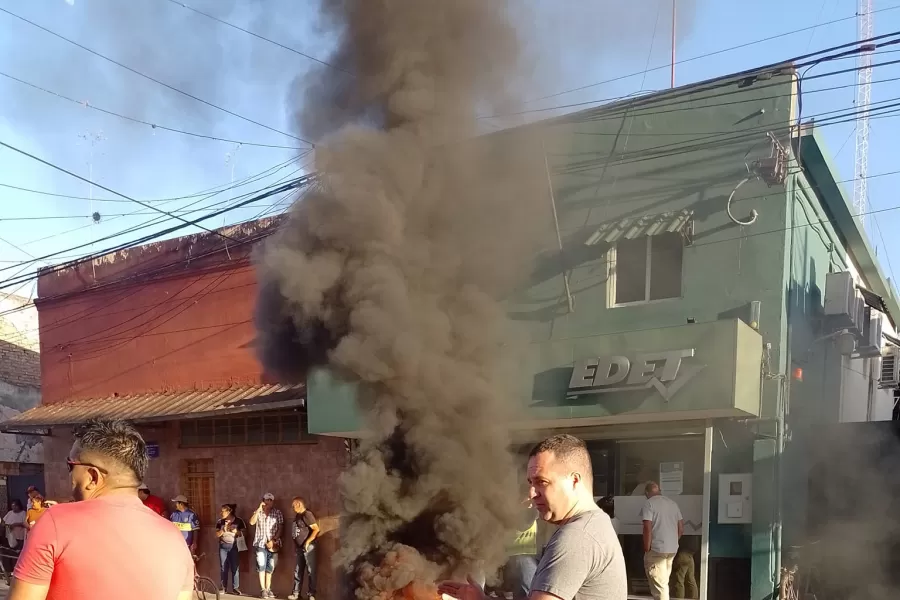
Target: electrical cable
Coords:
[[833, 111], [154, 222], [303, 180], [153, 79], [258, 36], [86, 104], [679, 150], [688, 94], [715, 53], [95, 184]]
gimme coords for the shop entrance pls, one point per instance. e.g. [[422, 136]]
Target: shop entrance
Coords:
[[677, 465]]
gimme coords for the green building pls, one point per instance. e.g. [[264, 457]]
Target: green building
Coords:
[[696, 347]]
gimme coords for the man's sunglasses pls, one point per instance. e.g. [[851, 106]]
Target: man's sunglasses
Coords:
[[71, 464]]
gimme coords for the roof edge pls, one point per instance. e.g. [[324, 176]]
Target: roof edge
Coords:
[[820, 168]]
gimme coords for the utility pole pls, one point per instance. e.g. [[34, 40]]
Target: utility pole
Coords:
[[231, 159], [93, 139], [863, 102], [674, 19]]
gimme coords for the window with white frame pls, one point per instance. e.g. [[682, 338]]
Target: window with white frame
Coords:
[[646, 268]]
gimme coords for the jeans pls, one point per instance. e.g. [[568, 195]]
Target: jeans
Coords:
[[265, 560], [517, 575], [658, 566], [306, 565], [229, 559]]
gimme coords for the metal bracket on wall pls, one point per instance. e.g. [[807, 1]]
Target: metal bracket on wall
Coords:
[[772, 170]]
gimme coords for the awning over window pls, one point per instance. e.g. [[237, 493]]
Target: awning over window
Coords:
[[632, 227], [161, 406]]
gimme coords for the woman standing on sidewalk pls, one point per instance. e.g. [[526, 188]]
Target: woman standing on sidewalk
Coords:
[[229, 529]]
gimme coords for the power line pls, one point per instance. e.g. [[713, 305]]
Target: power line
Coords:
[[153, 79], [300, 181], [687, 94], [102, 187], [85, 104], [146, 224], [708, 54], [679, 149], [258, 36], [225, 186]]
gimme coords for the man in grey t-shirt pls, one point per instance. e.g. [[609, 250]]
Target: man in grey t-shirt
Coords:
[[583, 560]]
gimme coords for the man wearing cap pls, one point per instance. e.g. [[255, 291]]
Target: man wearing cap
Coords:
[[269, 522], [187, 522], [154, 503]]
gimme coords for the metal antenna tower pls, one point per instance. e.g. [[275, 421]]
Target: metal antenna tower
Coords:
[[863, 101]]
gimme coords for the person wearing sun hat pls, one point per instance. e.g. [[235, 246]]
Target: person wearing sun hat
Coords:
[[187, 521]]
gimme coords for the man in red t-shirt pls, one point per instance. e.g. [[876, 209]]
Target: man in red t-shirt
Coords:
[[154, 503], [107, 544]]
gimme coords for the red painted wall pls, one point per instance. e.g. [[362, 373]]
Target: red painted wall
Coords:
[[112, 329]]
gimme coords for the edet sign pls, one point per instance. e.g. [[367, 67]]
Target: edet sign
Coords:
[[659, 370]]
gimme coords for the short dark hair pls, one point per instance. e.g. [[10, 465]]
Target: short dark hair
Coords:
[[117, 440], [299, 499], [568, 449]]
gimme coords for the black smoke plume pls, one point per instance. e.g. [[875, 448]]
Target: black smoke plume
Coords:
[[393, 272]]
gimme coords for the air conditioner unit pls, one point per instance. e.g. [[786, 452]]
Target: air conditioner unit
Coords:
[[871, 343], [844, 304], [890, 368]]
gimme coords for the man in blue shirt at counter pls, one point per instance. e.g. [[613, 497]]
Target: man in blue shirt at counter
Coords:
[[187, 522]]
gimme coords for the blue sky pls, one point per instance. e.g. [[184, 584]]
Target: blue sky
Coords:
[[573, 43]]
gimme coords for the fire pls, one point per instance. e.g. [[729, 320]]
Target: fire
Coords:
[[418, 590]]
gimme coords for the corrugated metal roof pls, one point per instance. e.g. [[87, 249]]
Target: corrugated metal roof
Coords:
[[157, 406], [632, 227]]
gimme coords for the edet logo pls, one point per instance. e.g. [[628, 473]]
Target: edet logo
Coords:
[[661, 371]]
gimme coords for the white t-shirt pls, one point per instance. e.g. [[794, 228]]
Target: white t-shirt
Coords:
[[14, 535], [664, 515]]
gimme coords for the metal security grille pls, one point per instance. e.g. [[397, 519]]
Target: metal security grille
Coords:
[[199, 484], [271, 428]]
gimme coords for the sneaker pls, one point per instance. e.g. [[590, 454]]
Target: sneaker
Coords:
[[264, 594], [236, 592], [271, 594], [294, 596], [310, 597]]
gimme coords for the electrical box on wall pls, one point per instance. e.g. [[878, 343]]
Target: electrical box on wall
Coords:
[[735, 494]]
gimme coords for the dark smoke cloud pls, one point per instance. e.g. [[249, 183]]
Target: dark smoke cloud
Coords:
[[393, 272]]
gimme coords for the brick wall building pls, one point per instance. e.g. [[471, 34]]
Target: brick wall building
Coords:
[[162, 335], [21, 456]]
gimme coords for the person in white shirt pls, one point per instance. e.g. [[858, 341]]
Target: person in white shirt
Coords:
[[663, 527], [14, 522]]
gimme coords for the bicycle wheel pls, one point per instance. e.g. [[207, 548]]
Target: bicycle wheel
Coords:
[[206, 589]]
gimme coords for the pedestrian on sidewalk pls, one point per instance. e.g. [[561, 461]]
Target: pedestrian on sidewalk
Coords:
[[229, 529], [37, 510], [186, 521], [663, 527], [269, 523], [14, 521], [106, 544], [154, 503], [305, 532]]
